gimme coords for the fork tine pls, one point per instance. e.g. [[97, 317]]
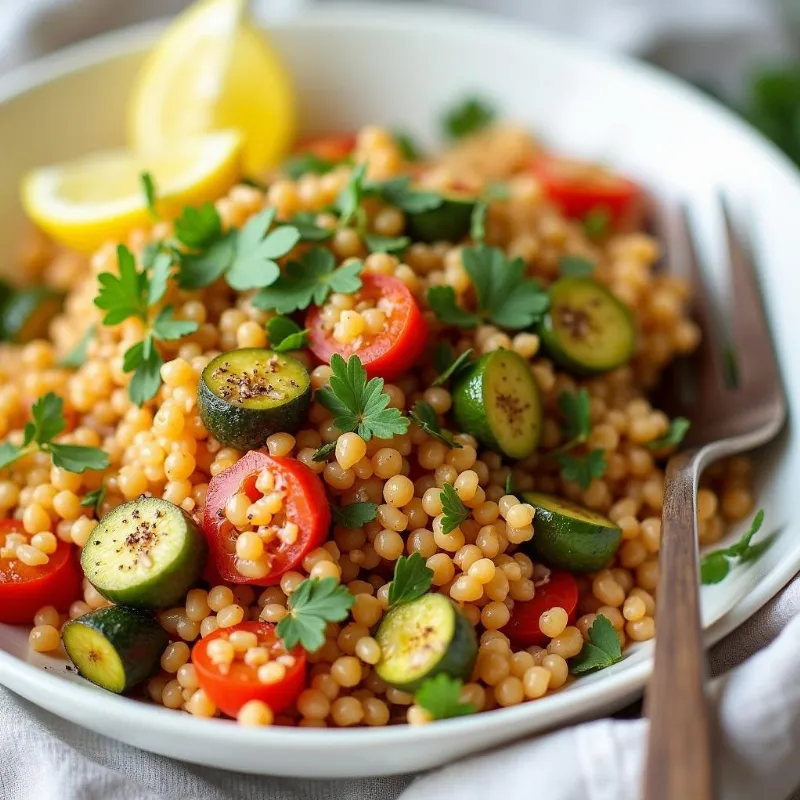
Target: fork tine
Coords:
[[756, 363]]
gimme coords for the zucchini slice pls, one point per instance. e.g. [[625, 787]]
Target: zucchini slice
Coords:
[[570, 537], [115, 647], [26, 314], [422, 638], [587, 329], [146, 554], [246, 395], [497, 401], [450, 222]]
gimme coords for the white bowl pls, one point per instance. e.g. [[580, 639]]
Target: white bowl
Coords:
[[402, 66]]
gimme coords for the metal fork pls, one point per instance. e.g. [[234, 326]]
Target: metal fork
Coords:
[[728, 416]]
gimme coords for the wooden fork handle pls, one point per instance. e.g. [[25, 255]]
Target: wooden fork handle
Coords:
[[679, 763]]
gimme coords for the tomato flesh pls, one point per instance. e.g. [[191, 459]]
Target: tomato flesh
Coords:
[[305, 504], [230, 691], [387, 354], [24, 590], [560, 591], [578, 189], [331, 147]]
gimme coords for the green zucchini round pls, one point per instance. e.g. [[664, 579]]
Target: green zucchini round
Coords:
[[587, 329], [450, 222], [423, 638], [246, 395], [497, 401], [115, 647], [570, 537], [145, 554]]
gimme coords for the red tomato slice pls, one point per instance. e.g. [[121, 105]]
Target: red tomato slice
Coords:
[[332, 147], [387, 354], [523, 627], [24, 590], [305, 504], [230, 691], [578, 188]]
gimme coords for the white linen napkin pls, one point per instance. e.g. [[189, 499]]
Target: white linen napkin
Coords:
[[758, 703]]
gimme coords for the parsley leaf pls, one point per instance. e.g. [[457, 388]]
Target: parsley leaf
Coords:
[[424, 417], [305, 222], [145, 363], [575, 267], [76, 357], [399, 192], [408, 148], [309, 282], [678, 428], [306, 163], [442, 300], [149, 189], [477, 223], [197, 228], [359, 405], [453, 508], [354, 515], [349, 200], [468, 117], [443, 356], [510, 488], [314, 604], [47, 422], [601, 651], [717, 564], [575, 408], [167, 329], [412, 578], [285, 334], [125, 295], [453, 368], [596, 223], [95, 499], [322, 453], [440, 696], [505, 296], [582, 469], [386, 244]]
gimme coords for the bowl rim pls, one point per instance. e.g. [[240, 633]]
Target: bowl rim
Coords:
[[621, 682]]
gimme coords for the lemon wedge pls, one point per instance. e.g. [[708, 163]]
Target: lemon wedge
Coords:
[[213, 71], [91, 200]]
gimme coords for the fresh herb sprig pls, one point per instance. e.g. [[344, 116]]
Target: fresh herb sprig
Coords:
[[716, 565], [469, 116], [95, 499], [312, 605], [575, 408], [322, 453], [133, 294], [354, 515], [412, 579], [453, 509], [76, 357], [678, 428], [47, 422], [571, 266], [448, 364], [424, 417], [440, 696], [358, 404], [602, 650], [582, 469], [285, 334], [149, 190]]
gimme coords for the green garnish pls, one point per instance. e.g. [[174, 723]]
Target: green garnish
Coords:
[[453, 509], [412, 578], [149, 189], [575, 267], [510, 488], [497, 191], [47, 422], [314, 604], [424, 417], [447, 364], [354, 515], [575, 409], [477, 224], [132, 294], [409, 149], [505, 296], [76, 357], [386, 244], [305, 222], [309, 282], [440, 696], [322, 453], [596, 223], [285, 334], [717, 564], [360, 405], [306, 163], [348, 203], [678, 428], [94, 499], [399, 192], [582, 469], [246, 257], [468, 117], [601, 651]]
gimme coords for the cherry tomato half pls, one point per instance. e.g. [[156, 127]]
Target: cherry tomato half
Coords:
[[24, 590], [230, 691], [578, 189], [304, 503], [523, 627], [387, 354], [331, 147]]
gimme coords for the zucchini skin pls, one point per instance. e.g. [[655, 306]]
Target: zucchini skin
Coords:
[[135, 636], [448, 223], [248, 428]]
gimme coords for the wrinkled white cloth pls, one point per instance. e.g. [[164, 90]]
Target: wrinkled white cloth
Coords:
[[758, 696]]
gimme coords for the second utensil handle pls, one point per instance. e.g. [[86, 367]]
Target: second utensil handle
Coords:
[[679, 762]]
